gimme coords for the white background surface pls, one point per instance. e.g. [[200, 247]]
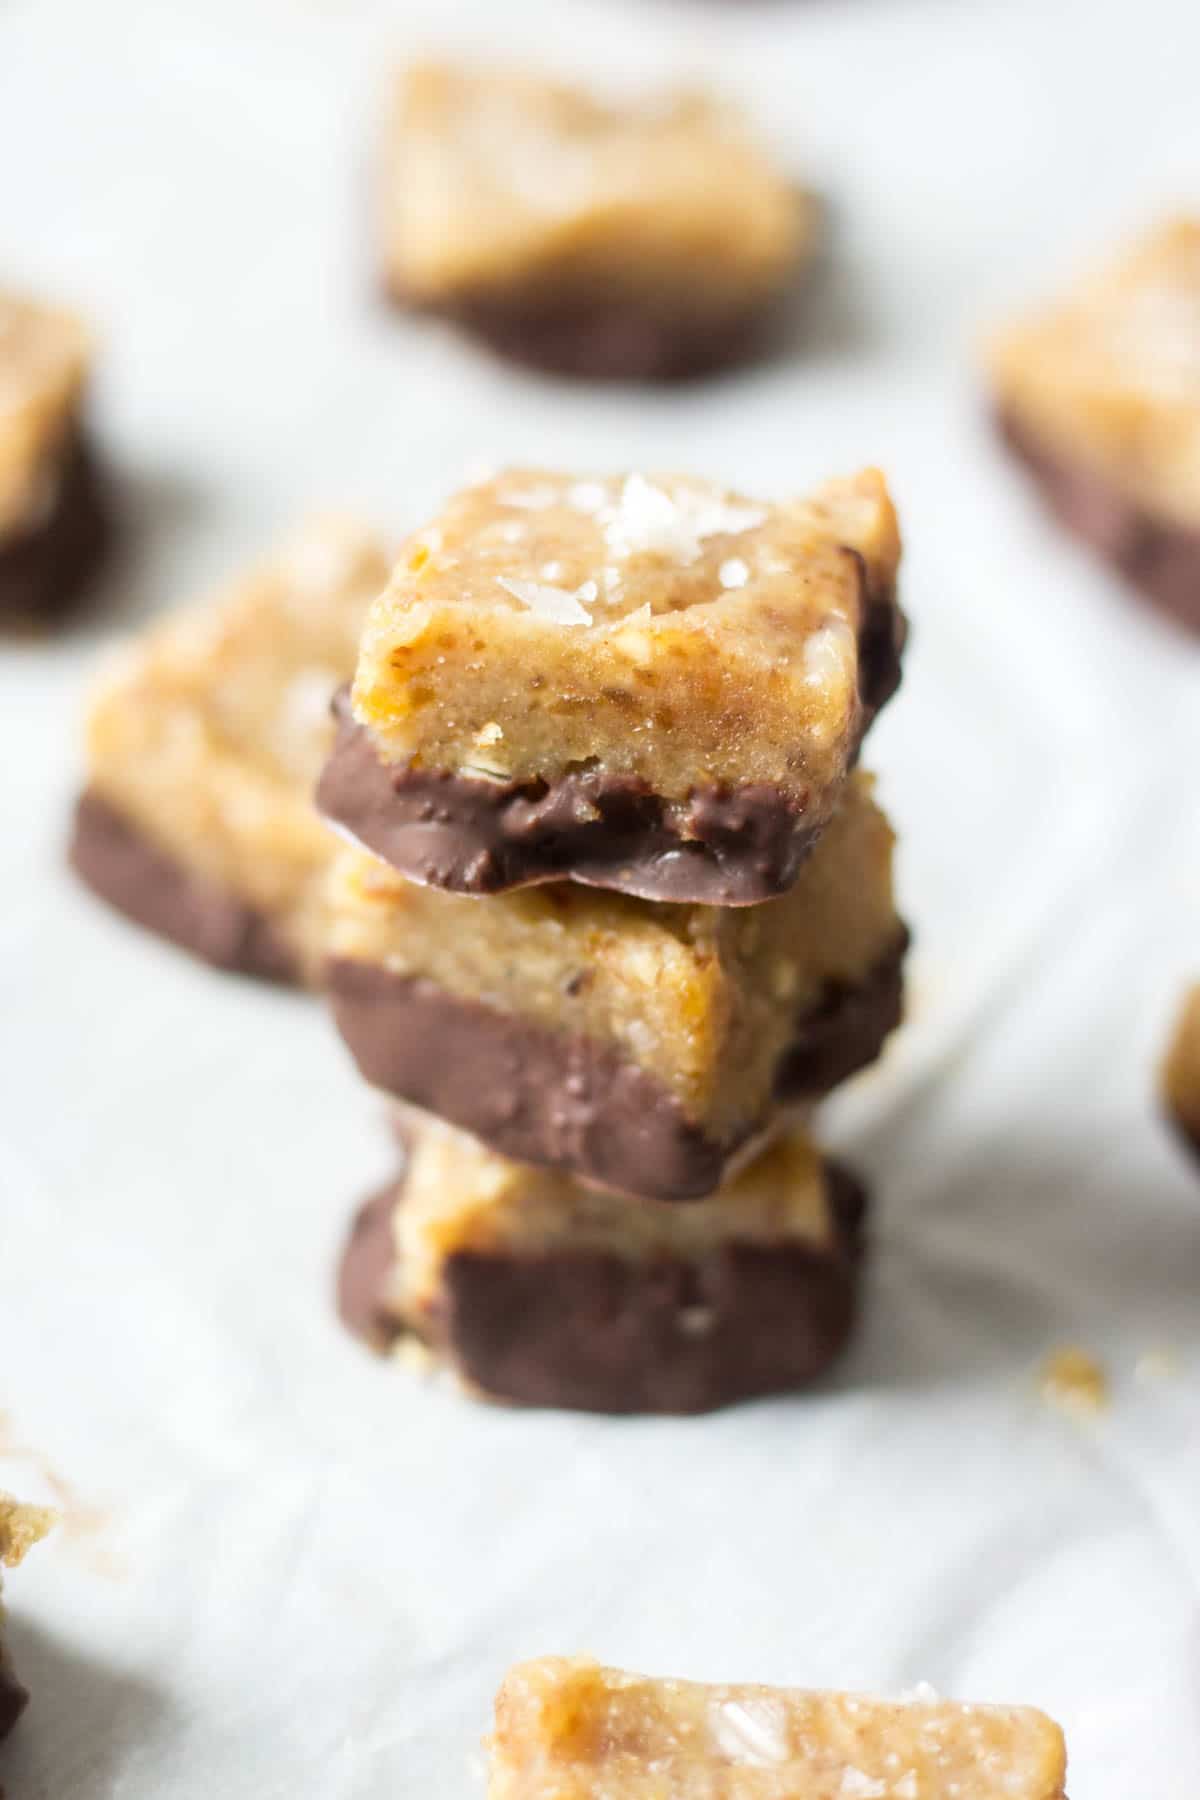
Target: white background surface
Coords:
[[289, 1570]]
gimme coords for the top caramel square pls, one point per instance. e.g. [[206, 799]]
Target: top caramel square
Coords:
[[1108, 377], [44, 360], [629, 240], [649, 684]]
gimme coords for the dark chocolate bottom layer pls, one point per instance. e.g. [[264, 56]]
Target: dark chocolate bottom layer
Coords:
[[1187, 1132], [593, 1332], [1159, 558], [43, 571], [13, 1697], [572, 1102], [591, 336], [721, 846], [365, 1269], [124, 867], [476, 836]]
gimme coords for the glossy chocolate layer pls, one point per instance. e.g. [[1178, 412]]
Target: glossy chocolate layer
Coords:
[[590, 336], [364, 1271], [1187, 1132], [44, 568], [1156, 556], [124, 867], [476, 836]]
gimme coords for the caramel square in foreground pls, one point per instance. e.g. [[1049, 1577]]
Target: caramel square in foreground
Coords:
[[204, 740], [571, 1730], [654, 685], [1099, 395], [643, 240]]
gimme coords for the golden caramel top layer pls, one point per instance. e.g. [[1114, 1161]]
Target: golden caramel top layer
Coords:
[[21, 1527], [497, 179], [662, 627], [45, 355], [459, 1196], [1181, 1071], [571, 1730], [1110, 374]]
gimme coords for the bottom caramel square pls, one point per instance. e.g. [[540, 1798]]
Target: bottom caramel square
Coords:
[[539, 1290]]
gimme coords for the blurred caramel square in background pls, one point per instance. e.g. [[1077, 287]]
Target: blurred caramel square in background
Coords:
[[1098, 394], [638, 240], [204, 740]]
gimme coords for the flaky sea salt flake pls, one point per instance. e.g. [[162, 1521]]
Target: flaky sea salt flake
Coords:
[[586, 496], [922, 1693], [751, 1732], [641, 615], [828, 654], [649, 520], [553, 604], [857, 1785]]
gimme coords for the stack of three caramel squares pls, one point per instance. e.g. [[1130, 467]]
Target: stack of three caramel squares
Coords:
[[620, 908]]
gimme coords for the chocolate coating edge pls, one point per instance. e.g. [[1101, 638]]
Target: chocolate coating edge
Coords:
[[1159, 558], [722, 846], [13, 1697], [44, 570], [1187, 1132], [121, 864], [573, 1102], [475, 836], [589, 337], [589, 1331], [364, 1270]]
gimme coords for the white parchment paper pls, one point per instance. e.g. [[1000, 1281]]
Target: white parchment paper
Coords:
[[286, 1569]]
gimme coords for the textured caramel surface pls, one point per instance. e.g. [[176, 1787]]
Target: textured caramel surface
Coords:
[[44, 359], [209, 732], [1181, 1070], [571, 1730], [457, 1195], [705, 998], [1109, 376], [660, 628], [497, 181]]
